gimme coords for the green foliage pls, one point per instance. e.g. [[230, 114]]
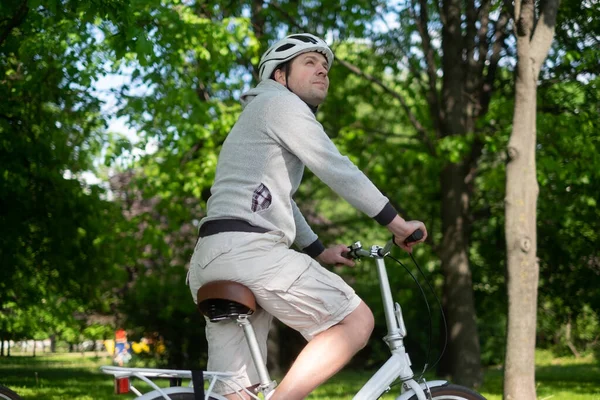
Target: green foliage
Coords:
[[50, 132], [66, 250], [568, 164], [157, 302]]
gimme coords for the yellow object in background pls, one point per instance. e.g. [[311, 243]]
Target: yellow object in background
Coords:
[[109, 345], [140, 347]]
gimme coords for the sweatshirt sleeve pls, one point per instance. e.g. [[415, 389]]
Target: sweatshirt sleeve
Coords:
[[295, 127]]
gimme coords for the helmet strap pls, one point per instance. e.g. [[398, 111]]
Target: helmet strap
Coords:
[[287, 75]]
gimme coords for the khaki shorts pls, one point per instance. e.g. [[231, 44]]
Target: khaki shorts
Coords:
[[287, 284]]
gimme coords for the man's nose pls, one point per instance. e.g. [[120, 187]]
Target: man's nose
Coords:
[[322, 70]]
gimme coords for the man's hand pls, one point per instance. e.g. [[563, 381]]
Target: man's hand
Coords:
[[333, 256], [402, 229]]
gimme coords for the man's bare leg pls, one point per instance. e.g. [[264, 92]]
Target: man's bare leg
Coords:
[[326, 354]]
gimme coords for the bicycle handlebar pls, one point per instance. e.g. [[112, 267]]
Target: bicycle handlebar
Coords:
[[356, 251]]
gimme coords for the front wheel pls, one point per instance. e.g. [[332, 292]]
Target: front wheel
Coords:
[[178, 396], [7, 394], [182, 396], [452, 392]]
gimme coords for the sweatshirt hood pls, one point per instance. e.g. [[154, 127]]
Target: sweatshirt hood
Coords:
[[267, 86]]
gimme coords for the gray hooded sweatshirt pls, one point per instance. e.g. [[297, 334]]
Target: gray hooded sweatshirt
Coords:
[[262, 162]]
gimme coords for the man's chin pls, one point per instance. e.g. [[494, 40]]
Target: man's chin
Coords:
[[320, 98], [315, 100]]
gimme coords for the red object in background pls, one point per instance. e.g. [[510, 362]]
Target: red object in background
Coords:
[[121, 385], [120, 336]]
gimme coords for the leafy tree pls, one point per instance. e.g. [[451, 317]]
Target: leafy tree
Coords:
[[153, 299], [51, 128], [187, 63], [436, 67], [567, 154]]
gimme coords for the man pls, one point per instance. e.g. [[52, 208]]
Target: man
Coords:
[[252, 220]]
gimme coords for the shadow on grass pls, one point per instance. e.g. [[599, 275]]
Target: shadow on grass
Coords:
[[63, 376], [582, 380], [79, 378], [52, 378]]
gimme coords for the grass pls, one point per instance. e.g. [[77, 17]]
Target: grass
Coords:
[[77, 377]]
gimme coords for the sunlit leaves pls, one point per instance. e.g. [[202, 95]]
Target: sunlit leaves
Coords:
[[52, 250]]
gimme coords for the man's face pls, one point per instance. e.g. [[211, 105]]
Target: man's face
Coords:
[[308, 77]]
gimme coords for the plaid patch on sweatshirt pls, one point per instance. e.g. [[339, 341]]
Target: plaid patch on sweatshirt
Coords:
[[261, 198]]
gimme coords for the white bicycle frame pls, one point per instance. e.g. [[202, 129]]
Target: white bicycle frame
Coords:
[[396, 367], [145, 374]]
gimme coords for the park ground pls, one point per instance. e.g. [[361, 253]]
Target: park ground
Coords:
[[76, 376]]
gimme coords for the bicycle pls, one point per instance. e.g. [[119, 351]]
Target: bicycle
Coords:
[[7, 394], [221, 300]]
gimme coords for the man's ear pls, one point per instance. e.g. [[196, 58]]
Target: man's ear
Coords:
[[279, 76]]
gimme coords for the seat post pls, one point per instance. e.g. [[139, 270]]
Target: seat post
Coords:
[[259, 363]]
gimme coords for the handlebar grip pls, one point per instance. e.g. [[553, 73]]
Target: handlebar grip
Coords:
[[351, 254], [414, 237]]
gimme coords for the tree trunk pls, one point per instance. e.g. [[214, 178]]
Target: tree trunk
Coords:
[[569, 341], [53, 343], [464, 356], [463, 353], [523, 269], [521, 201]]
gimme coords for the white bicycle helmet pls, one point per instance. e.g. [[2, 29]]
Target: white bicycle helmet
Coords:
[[288, 48]]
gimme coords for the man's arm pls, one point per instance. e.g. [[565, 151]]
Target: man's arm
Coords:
[[294, 127]]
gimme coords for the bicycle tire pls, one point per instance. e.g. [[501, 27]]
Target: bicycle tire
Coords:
[[452, 392], [184, 396], [7, 394]]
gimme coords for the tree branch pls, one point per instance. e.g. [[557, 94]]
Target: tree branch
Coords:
[[544, 33], [286, 15], [525, 10], [500, 35], [411, 116], [470, 34], [379, 132], [482, 32], [432, 94], [188, 156], [411, 65], [413, 119], [517, 12], [6, 117], [440, 12]]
